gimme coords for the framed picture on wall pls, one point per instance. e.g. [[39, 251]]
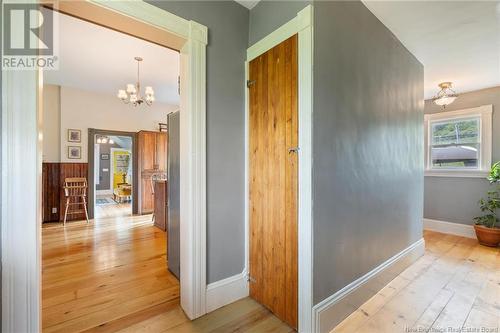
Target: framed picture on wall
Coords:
[[74, 152], [104, 157], [74, 135]]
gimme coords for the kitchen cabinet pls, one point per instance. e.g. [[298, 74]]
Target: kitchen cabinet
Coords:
[[152, 158]]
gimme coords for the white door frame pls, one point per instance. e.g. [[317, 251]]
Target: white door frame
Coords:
[[302, 25], [21, 173]]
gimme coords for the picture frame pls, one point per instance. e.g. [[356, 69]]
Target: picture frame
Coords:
[[74, 152], [105, 156], [74, 135]]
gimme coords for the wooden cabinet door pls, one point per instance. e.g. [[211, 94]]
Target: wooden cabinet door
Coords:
[[161, 150], [273, 134], [147, 196], [147, 150]]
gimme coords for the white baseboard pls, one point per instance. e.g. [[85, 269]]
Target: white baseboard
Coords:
[[332, 310], [456, 229], [226, 291]]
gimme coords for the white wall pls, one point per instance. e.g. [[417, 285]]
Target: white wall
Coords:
[[51, 124], [80, 109]]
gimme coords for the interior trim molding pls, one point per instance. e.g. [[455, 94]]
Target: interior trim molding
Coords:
[[456, 173], [326, 313], [451, 228], [21, 208], [227, 291], [302, 24], [22, 163]]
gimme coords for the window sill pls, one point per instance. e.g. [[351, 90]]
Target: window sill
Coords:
[[456, 173]]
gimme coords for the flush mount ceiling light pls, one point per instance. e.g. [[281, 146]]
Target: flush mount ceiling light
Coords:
[[132, 94], [104, 140], [446, 95]]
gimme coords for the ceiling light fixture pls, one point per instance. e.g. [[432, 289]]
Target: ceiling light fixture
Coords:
[[104, 140], [132, 94], [446, 95]]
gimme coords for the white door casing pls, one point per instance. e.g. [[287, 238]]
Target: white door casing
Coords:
[[302, 24], [21, 173]]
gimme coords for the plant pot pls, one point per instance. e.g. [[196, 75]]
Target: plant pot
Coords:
[[487, 236]]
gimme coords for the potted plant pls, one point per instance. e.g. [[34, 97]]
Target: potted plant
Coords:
[[487, 226]]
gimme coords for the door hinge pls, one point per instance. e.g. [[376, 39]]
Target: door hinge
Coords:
[[179, 84], [250, 83]]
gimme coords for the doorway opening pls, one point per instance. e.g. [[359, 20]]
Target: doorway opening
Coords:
[[112, 162], [23, 138], [118, 148]]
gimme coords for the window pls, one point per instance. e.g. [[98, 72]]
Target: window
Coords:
[[458, 143]]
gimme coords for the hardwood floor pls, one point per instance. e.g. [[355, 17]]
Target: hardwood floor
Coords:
[[111, 276], [112, 209], [455, 284]]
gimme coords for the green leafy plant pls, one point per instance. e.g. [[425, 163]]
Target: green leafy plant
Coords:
[[494, 175], [491, 204]]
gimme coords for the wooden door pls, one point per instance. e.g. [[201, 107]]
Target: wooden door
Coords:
[[273, 131]]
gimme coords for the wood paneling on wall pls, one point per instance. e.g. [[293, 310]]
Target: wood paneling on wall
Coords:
[[53, 175], [50, 191]]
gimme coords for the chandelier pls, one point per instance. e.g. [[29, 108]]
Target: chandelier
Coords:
[[132, 94], [446, 95], [104, 139]]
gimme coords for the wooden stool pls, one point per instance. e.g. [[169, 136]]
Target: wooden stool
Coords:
[[75, 191]]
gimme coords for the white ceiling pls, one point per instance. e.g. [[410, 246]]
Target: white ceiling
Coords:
[[456, 41], [99, 59]]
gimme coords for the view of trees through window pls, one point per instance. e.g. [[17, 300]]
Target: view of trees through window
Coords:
[[455, 143]]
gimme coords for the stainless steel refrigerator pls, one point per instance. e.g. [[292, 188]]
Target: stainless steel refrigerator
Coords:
[[173, 189]]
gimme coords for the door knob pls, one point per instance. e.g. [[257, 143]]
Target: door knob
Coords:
[[293, 150]]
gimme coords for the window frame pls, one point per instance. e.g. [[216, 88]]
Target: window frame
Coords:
[[485, 115]]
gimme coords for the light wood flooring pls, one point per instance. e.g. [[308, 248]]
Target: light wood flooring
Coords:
[[456, 285], [111, 276], [112, 209]]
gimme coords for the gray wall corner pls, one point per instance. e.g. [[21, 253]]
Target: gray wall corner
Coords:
[[227, 23]]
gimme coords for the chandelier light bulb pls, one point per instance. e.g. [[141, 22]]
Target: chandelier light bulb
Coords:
[[131, 88], [122, 94]]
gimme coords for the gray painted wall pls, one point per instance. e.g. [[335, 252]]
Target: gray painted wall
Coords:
[[227, 23], [368, 145], [367, 140], [455, 199], [367, 151], [268, 16]]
